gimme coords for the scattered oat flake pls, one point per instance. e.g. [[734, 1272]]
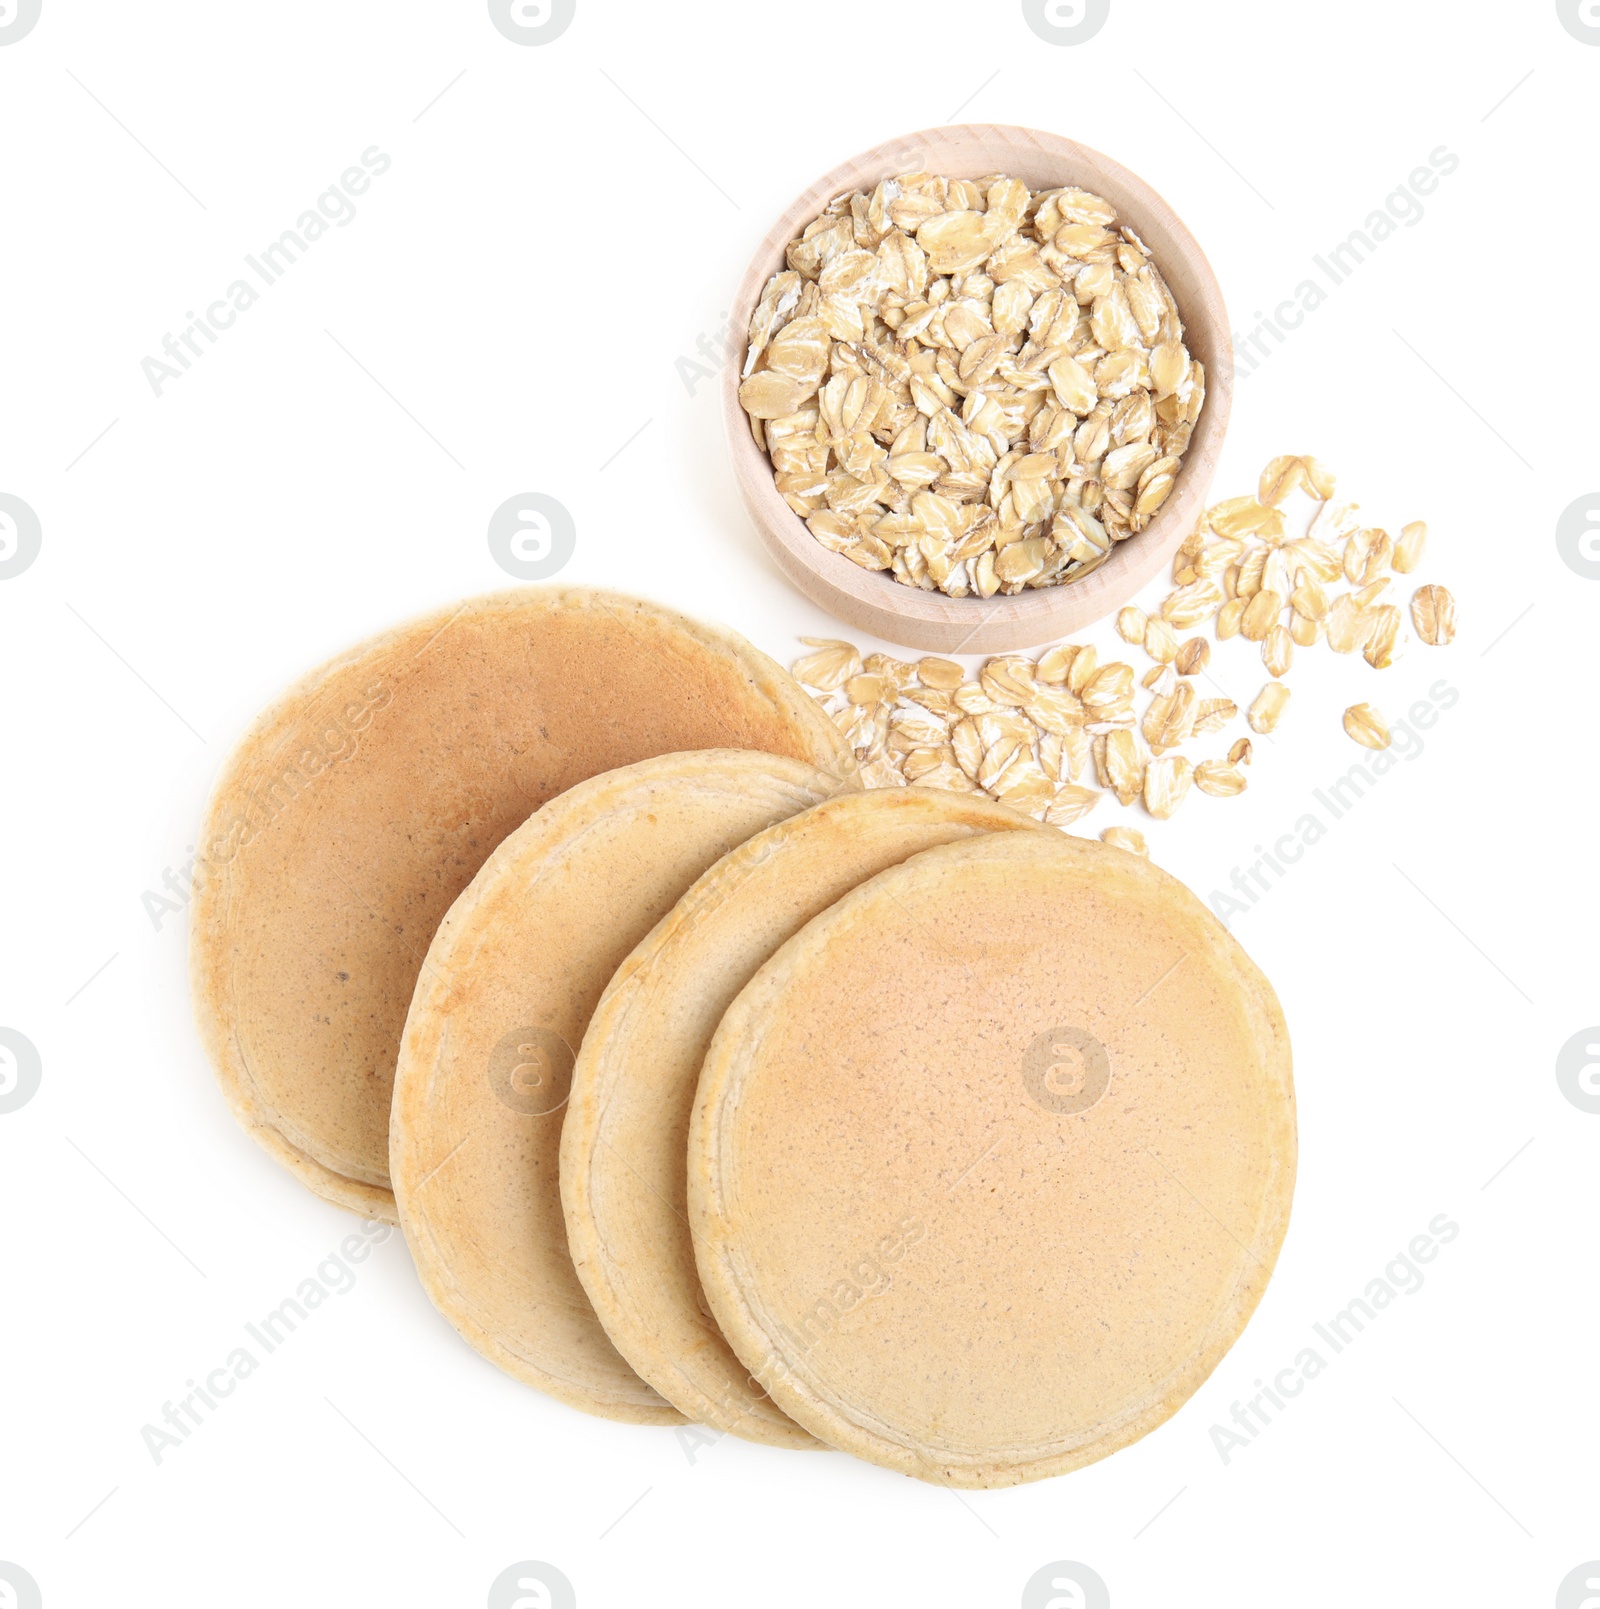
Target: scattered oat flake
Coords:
[[1055, 665], [1191, 604], [1409, 549], [1366, 556], [1261, 615], [1433, 613], [1169, 721], [1279, 478], [1277, 651], [1123, 769], [943, 674], [1267, 711], [1007, 680], [1071, 803], [1213, 713], [1160, 641], [1347, 624], [1220, 778], [1366, 726], [1081, 671], [1383, 638], [1166, 784], [1243, 516], [1309, 598], [829, 668], [1193, 657], [1129, 838]]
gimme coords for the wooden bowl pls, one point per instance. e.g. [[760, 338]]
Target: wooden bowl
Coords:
[[875, 602]]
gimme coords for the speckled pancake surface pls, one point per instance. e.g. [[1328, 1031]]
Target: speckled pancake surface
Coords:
[[990, 1163], [362, 803], [505, 995], [623, 1145]]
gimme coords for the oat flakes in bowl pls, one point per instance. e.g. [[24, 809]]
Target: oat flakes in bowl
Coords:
[[981, 363]]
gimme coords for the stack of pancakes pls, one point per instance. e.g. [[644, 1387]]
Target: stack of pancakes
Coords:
[[706, 1085]]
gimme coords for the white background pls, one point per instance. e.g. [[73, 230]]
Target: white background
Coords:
[[559, 226]]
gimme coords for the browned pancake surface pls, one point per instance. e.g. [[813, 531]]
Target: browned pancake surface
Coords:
[[364, 801], [504, 999], [990, 1163], [623, 1143]]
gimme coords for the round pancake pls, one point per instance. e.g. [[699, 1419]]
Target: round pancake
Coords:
[[510, 981], [364, 800], [623, 1182], [990, 1163]]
